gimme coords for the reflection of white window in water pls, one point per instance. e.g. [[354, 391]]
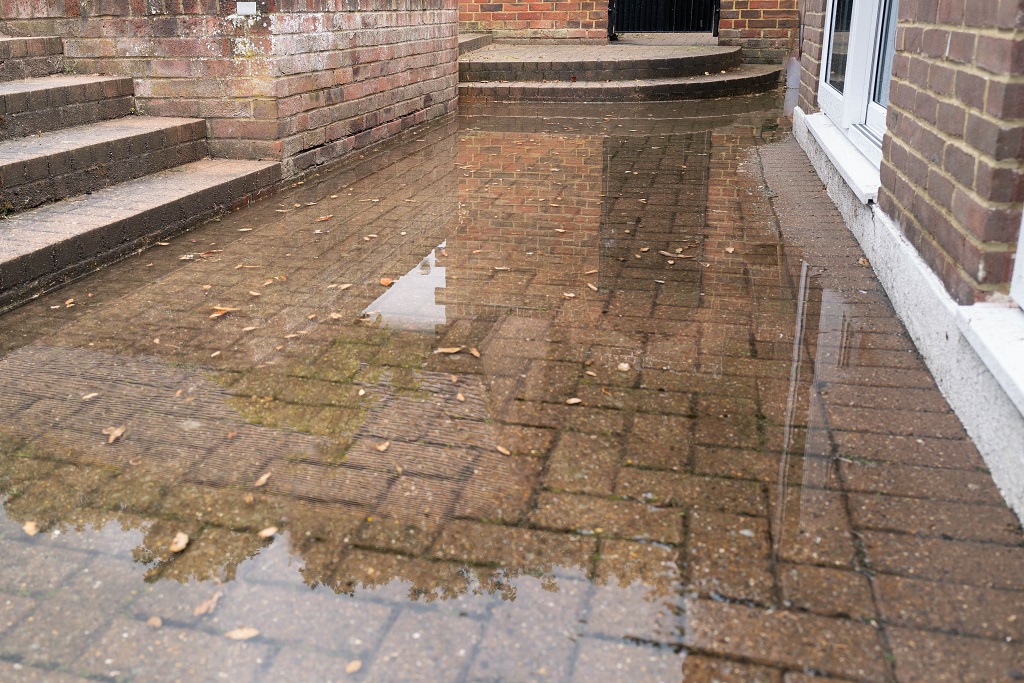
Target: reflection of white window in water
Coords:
[[409, 304]]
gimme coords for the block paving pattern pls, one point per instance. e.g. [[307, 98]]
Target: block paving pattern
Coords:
[[770, 489]]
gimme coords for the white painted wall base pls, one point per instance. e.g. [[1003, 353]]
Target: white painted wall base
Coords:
[[931, 316]]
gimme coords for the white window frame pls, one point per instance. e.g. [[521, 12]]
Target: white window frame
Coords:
[[854, 111], [1017, 280]]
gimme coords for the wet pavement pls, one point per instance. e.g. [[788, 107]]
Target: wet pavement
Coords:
[[540, 394]]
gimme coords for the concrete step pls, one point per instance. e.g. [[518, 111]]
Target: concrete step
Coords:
[[30, 57], [745, 80], [613, 62], [469, 42], [64, 163], [39, 105], [48, 246]]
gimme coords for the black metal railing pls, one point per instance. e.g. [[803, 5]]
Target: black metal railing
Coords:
[[660, 16]]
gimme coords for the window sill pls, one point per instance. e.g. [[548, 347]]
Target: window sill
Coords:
[[996, 332], [857, 170]]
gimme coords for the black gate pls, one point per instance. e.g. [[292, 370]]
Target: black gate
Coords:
[[654, 16]]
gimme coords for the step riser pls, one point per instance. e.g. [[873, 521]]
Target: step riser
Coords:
[[46, 120], [64, 106], [27, 184], [472, 72], [73, 256], [621, 92], [30, 67]]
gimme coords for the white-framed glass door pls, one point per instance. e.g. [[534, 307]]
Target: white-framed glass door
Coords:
[[860, 37], [1017, 281]]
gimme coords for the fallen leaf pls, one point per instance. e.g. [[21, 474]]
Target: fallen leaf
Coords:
[[502, 268], [232, 435], [90, 396], [248, 329], [474, 351], [262, 480], [342, 288], [503, 450], [325, 218], [249, 498], [590, 272], [568, 295], [574, 401], [253, 292], [729, 250], [311, 316], [645, 249], [449, 349], [864, 262], [163, 244], [623, 367], [30, 528], [460, 397], [362, 392], [386, 281], [353, 666], [245, 230], [268, 532], [591, 373], [336, 316], [383, 446], [666, 253], [69, 303], [592, 286], [114, 433], [155, 622], [207, 606], [179, 543], [455, 378], [214, 354], [242, 633], [136, 461], [221, 311]]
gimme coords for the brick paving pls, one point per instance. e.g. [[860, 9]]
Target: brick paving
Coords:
[[771, 488]]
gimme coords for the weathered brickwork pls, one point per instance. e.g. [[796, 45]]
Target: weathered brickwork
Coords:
[[952, 175], [766, 29], [301, 82], [581, 21]]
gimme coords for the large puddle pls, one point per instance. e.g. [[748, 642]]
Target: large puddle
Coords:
[[526, 397]]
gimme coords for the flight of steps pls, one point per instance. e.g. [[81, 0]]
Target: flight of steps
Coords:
[[620, 71], [84, 181]]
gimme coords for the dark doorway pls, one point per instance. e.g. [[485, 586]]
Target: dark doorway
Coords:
[[650, 16]]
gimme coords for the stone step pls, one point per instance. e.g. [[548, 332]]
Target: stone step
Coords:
[[745, 80], [48, 246], [39, 105], [64, 163], [468, 42], [30, 57], [613, 62]]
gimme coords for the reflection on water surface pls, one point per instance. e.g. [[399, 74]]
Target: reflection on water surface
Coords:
[[573, 440]]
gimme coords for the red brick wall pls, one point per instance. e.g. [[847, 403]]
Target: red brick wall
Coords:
[[766, 29], [952, 173], [297, 84], [580, 20]]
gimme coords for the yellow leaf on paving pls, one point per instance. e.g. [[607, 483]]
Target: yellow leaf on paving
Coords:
[[645, 249], [460, 397], [574, 401], [207, 606], [473, 350], [220, 311], [336, 316], [449, 349], [864, 262], [386, 281], [353, 666], [179, 543], [155, 622], [268, 532], [242, 633], [592, 286], [503, 450], [383, 446], [214, 354], [254, 293], [248, 329], [362, 392], [114, 433], [30, 528], [262, 480], [729, 250], [325, 218], [89, 396], [245, 230]]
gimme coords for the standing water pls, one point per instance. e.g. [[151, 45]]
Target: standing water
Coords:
[[532, 395]]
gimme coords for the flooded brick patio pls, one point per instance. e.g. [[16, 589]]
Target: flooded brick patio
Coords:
[[600, 393]]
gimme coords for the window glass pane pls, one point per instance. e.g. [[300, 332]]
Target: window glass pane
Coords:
[[839, 45], [886, 48]]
